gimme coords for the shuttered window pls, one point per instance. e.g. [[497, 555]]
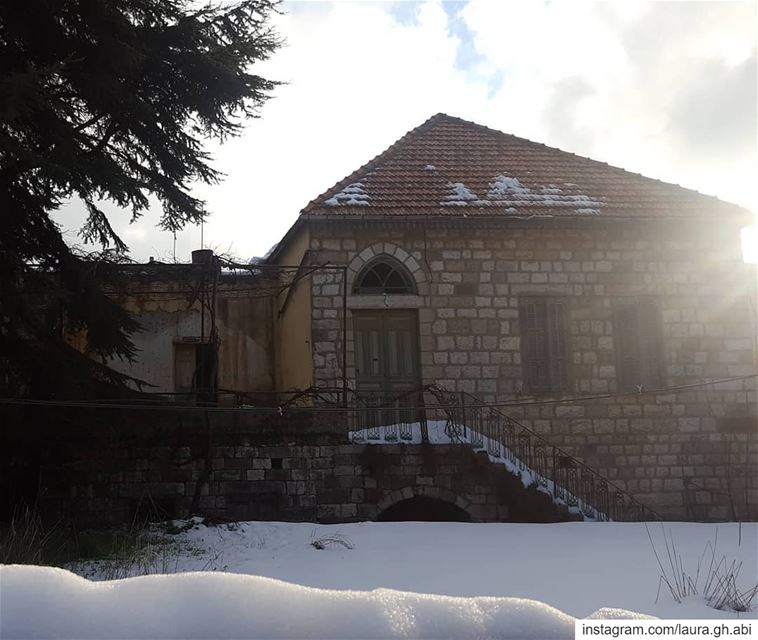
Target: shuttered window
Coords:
[[543, 339], [637, 332]]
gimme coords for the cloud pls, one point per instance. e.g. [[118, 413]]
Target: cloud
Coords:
[[561, 115], [717, 116], [666, 89]]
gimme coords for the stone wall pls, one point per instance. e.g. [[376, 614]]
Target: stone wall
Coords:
[[690, 453], [319, 483]]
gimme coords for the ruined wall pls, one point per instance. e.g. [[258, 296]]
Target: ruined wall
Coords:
[[169, 315], [669, 450], [166, 316]]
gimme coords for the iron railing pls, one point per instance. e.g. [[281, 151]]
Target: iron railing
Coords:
[[471, 422]]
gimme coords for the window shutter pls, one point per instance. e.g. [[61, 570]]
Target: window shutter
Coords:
[[627, 343], [638, 343], [556, 312], [534, 352], [650, 345], [544, 353]]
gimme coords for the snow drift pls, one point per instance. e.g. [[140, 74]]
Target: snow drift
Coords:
[[37, 602]]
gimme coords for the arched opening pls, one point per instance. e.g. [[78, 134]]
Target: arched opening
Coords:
[[424, 509], [385, 337], [384, 275]]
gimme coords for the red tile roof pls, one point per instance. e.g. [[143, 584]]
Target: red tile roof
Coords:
[[452, 167]]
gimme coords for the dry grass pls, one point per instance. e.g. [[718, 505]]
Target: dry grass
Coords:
[[25, 540], [719, 576], [331, 540]]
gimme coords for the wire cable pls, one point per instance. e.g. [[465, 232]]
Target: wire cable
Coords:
[[94, 404]]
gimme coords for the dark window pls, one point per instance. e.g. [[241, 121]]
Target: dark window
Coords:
[[195, 371], [194, 367], [543, 344], [637, 331], [384, 275]]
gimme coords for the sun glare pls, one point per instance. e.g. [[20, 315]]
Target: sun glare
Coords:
[[750, 243]]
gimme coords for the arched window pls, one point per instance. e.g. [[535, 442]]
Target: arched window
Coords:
[[384, 275]]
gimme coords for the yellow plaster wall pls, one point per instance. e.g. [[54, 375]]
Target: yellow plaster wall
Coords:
[[293, 361], [245, 361]]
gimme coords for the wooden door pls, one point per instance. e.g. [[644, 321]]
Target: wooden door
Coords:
[[386, 353]]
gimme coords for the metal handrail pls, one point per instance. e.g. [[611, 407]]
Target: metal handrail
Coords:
[[470, 421], [554, 470]]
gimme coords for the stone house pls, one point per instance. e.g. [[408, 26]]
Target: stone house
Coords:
[[594, 301], [609, 312]]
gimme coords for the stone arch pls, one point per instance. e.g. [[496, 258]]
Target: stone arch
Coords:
[[424, 491], [392, 250]]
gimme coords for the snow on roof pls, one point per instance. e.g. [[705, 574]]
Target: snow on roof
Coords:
[[525, 175], [459, 194], [352, 194], [509, 190], [504, 186]]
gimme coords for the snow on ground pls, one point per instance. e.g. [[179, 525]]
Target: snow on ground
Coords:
[[577, 567], [267, 580], [47, 602]]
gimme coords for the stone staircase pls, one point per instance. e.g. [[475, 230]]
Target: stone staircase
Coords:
[[544, 483]]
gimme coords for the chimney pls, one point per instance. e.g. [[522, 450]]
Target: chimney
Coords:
[[202, 256]]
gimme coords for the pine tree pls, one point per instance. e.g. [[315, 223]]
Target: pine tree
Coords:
[[106, 100]]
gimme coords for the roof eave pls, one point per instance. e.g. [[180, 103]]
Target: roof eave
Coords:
[[284, 242], [740, 215]]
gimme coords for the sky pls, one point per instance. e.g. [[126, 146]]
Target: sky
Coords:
[[666, 89]]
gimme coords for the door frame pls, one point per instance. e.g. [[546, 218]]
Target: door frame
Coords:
[[385, 312]]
